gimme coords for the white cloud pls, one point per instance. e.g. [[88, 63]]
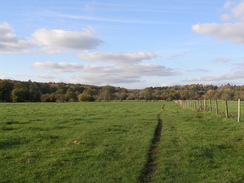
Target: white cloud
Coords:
[[117, 57], [47, 41], [60, 67], [240, 65], [6, 33], [95, 79], [52, 51], [103, 74], [222, 60], [133, 69], [225, 17], [231, 76], [44, 65], [198, 70], [67, 39], [228, 5], [5, 77], [228, 31], [238, 11], [10, 43], [169, 84], [234, 12], [151, 70]]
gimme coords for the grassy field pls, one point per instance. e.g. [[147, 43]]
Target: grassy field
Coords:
[[110, 142], [199, 147], [75, 142]]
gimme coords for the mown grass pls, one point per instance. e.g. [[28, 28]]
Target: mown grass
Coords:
[[199, 147], [75, 142]]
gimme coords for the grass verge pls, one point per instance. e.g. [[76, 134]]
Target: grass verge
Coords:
[[199, 147]]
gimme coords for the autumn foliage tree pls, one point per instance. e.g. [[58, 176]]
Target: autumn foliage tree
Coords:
[[6, 88], [107, 93], [21, 91]]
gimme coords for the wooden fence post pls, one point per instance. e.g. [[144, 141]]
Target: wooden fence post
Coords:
[[204, 103], [226, 109], [217, 107], [239, 110], [210, 105]]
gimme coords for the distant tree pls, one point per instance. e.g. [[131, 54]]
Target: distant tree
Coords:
[[62, 86], [60, 91], [107, 93], [227, 92], [79, 88], [241, 94], [184, 95], [45, 88], [71, 96], [121, 93], [20, 91], [227, 95], [131, 96], [20, 94], [48, 97], [35, 92], [197, 96], [175, 95], [85, 98], [148, 93], [138, 94], [169, 99], [237, 95], [60, 95], [191, 95], [210, 94], [6, 88], [163, 95]]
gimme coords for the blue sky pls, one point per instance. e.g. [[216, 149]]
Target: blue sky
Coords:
[[132, 44]]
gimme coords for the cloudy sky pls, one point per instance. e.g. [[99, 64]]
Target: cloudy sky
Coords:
[[129, 43]]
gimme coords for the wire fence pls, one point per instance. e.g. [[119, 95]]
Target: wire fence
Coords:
[[229, 109]]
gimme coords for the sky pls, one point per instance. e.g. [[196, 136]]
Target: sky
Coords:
[[130, 43]]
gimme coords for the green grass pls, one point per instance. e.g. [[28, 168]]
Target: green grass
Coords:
[[199, 147], [232, 107], [109, 142], [75, 142]]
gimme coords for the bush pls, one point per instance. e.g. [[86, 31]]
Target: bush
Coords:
[[169, 99], [85, 98]]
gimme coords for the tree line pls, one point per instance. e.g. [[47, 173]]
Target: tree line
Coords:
[[22, 91]]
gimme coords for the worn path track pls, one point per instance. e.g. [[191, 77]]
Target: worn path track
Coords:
[[151, 167]]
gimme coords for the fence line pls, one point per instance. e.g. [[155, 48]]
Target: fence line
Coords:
[[203, 105]]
